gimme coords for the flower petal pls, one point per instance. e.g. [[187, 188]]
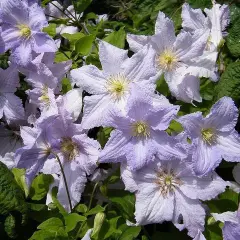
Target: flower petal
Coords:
[[193, 19], [95, 110], [231, 231], [137, 42], [43, 43], [89, 78], [76, 180], [205, 157], [191, 212], [151, 206], [223, 115], [111, 58], [229, 146], [22, 55], [204, 188], [115, 148]]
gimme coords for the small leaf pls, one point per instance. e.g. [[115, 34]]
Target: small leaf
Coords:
[[95, 210], [72, 219], [19, 175], [40, 186], [229, 84], [9, 226], [82, 208], [117, 38], [81, 5], [84, 45], [233, 37], [130, 233], [50, 29]]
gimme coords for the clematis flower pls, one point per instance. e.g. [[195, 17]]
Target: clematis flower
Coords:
[[139, 135], [37, 149], [22, 23], [173, 54], [10, 105], [214, 136], [114, 84], [231, 228], [216, 21], [170, 191], [55, 11]]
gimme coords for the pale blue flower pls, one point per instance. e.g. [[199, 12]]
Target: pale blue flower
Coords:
[[214, 136], [22, 25]]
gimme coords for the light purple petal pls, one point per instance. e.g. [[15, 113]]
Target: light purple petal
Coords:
[[204, 188], [10, 36], [140, 152], [192, 124], [37, 19], [229, 146], [89, 152], [191, 212], [223, 115], [95, 110], [193, 19], [13, 109], [89, 78], [137, 42], [115, 148], [9, 79], [189, 46], [151, 206], [199, 236], [76, 180], [169, 147], [205, 157], [141, 66], [43, 43], [231, 231], [111, 58], [22, 55]]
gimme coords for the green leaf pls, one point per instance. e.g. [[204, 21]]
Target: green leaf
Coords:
[[61, 57], [60, 234], [213, 232], [103, 135], [200, 3], [233, 37], [40, 186], [227, 201], [73, 38], [11, 195], [117, 38], [9, 226], [50, 29], [207, 89], [229, 84], [84, 45], [19, 175], [72, 219], [82, 208], [130, 233], [95, 210], [124, 201], [81, 5], [52, 224], [66, 85]]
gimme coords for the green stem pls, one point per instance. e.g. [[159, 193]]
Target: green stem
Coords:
[[91, 199], [65, 180]]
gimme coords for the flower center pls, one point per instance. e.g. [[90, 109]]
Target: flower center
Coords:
[[167, 60], [117, 86], [209, 136], [69, 148], [25, 31], [44, 97], [140, 129], [167, 181]]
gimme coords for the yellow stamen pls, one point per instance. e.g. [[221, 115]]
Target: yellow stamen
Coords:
[[140, 129], [167, 60], [208, 136], [69, 148], [117, 86], [25, 31]]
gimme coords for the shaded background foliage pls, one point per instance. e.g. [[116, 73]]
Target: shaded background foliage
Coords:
[[23, 213]]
